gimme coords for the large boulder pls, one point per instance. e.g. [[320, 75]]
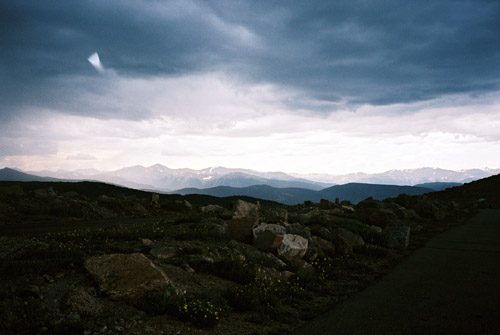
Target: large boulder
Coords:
[[137, 208], [216, 210], [302, 267], [348, 209], [383, 218], [241, 229], [327, 248], [327, 204], [245, 219], [370, 203], [243, 209], [274, 215], [404, 213], [292, 247], [344, 241], [298, 229], [253, 255], [80, 301], [165, 252], [126, 277], [268, 236], [397, 237], [429, 209], [45, 192]]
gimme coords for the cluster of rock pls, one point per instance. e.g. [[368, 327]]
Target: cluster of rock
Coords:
[[273, 238], [17, 203]]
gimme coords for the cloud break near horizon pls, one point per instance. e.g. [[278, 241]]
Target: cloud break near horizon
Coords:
[[294, 86]]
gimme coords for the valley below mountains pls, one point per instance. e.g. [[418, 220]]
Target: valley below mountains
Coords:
[[286, 188], [162, 178]]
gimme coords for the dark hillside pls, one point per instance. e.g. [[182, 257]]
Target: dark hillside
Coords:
[[439, 186], [484, 192], [7, 174], [355, 192]]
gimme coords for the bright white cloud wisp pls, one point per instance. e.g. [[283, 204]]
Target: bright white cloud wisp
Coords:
[[96, 62]]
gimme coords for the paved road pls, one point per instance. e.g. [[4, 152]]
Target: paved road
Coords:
[[450, 286]]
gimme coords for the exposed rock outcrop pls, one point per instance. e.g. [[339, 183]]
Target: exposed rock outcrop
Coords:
[[383, 218], [243, 209], [245, 219], [298, 229], [268, 236], [126, 277], [80, 301], [345, 240], [293, 246], [397, 237]]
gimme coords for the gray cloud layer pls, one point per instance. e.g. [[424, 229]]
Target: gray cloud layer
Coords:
[[349, 52]]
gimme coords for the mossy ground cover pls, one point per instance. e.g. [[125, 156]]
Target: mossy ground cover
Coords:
[[240, 286], [265, 298]]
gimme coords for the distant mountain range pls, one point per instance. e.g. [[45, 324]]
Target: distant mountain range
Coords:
[[7, 174], [223, 182], [159, 177], [162, 178], [405, 177]]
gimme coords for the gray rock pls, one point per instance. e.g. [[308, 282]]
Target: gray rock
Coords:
[[138, 208], [78, 300], [218, 229], [241, 229], [325, 246], [245, 219], [253, 255], [430, 209], [298, 229], [216, 210], [397, 237], [45, 192], [126, 277], [274, 215], [164, 252], [185, 203], [146, 242], [345, 240], [383, 218], [243, 209], [348, 209], [327, 204], [268, 236], [155, 198], [292, 247], [370, 203]]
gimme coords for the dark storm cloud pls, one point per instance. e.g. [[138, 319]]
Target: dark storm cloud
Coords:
[[350, 52]]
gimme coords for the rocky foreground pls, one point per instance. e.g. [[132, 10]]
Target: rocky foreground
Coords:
[[92, 259]]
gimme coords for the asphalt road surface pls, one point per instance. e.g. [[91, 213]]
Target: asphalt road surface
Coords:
[[450, 286]]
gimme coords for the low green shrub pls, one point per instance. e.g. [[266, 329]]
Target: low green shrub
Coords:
[[371, 250], [229, 268], [274, 296], [201, 311]]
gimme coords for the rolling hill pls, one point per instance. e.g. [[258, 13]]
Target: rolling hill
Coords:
[[353, 192], [7, 174], [485, 192], [161, 178]]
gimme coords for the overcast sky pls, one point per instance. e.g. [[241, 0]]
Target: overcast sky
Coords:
[[295, 86]]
